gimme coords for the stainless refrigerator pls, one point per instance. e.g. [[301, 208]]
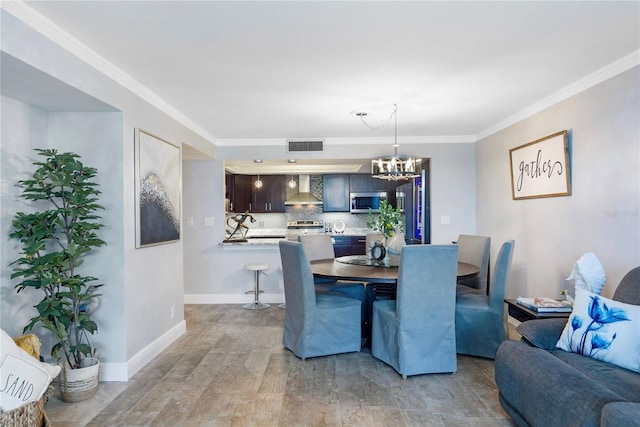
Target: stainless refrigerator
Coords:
[[414, 198]]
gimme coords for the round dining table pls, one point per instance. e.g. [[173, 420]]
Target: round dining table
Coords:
[[359, 268]]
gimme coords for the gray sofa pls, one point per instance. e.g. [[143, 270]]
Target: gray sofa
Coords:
[[541, 385]]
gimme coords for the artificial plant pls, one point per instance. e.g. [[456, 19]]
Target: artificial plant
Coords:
[[54, 240]]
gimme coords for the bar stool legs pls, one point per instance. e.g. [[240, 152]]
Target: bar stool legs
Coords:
[[256, 304]]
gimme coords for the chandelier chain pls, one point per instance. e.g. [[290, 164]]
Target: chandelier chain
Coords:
[[382, 126]]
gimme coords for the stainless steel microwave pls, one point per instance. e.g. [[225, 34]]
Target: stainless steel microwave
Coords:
[[362, 202]]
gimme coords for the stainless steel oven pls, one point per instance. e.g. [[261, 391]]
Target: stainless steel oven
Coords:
[[362, 202], [295, 228]]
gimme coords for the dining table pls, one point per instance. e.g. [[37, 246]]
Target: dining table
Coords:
[[360, 268], [382, 277]]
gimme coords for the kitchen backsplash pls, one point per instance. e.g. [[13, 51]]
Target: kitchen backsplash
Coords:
[[307, 212]]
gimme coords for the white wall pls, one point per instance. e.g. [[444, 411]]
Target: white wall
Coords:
[[29, 129], [603, 212], [143, 284]]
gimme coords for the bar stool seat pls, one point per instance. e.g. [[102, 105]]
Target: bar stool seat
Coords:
[[258, 268]]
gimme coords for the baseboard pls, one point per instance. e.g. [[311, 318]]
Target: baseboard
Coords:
[[124, 371], [231, 298]]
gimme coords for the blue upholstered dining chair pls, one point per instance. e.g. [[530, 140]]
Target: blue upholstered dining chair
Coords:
[[315, 324], [480, 324], [474, 250], [415, 333], [318, 247]]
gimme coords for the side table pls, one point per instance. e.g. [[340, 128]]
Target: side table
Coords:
[[521, 313]]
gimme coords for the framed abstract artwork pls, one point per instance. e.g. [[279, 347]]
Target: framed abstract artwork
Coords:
[[541, 168], [158, 185]]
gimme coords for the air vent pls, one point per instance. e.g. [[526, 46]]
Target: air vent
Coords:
[[296, 146]]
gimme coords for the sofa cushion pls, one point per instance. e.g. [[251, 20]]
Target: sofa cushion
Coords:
[[545, 391], [617, 414], [603, 329], [542, 333], [623, 382]]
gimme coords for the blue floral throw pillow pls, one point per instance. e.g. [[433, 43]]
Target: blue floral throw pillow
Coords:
[[603, 329]]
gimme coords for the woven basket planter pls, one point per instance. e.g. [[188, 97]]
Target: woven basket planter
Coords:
[[80, 384]]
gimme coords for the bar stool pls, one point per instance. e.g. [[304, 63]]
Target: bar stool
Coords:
[[258, 268]]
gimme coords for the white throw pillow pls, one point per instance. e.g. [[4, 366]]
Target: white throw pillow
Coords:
[[23, 378], [603, 329]]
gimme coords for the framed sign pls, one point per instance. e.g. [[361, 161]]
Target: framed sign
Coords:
[[541, 168], [157, 190]]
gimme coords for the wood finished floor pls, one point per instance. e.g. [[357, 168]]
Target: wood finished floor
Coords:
[[230, 369]]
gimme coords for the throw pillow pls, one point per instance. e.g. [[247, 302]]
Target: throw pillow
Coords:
[[23, 378], [603, 329]]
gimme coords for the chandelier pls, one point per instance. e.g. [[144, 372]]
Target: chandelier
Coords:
[[396, 167]]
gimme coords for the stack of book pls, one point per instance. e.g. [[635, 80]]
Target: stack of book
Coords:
[[544, 304]]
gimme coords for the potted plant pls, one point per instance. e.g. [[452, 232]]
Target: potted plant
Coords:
[[389, 224], [54, 242]]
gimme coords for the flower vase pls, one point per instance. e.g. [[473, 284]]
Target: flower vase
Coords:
[[394, 245]]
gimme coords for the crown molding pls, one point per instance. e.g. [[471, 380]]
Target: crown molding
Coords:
[[618, 67], [418, 140], [26, 14]]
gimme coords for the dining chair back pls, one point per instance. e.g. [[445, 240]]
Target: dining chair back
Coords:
[[315, 324], [480, 324], [320, 247], [475, 250], [317, 246], [415, 334]]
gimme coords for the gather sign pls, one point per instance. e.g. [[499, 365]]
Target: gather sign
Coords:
[[541, 168]]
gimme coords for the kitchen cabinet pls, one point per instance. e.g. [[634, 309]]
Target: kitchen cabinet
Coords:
[[360, 182], [271, 196], [363, 183], [240, 194], [244, 196], [349, 245], [335, 193]]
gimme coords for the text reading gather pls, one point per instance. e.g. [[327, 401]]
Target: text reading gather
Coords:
[[538, 168]]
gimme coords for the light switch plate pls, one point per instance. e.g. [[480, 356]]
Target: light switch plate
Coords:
[[445, 220], [208, 221]]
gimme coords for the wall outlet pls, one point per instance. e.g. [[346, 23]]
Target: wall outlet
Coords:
[[260, 223], [445, 220], [173, 311], [208, 221]]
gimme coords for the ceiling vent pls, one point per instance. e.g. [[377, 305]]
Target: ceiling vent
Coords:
[[297, 146]]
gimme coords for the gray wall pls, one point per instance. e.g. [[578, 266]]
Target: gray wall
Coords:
[[602, 214]]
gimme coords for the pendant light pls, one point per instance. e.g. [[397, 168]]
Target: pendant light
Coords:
[[396, 167], [258, 182], [292, 183]]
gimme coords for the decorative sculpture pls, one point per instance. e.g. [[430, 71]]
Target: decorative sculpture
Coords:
[[235, 222]]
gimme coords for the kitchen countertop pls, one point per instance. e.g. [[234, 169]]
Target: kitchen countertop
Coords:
[[269, 237]]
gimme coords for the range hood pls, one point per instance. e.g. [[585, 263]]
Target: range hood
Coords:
[[304, 197]]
